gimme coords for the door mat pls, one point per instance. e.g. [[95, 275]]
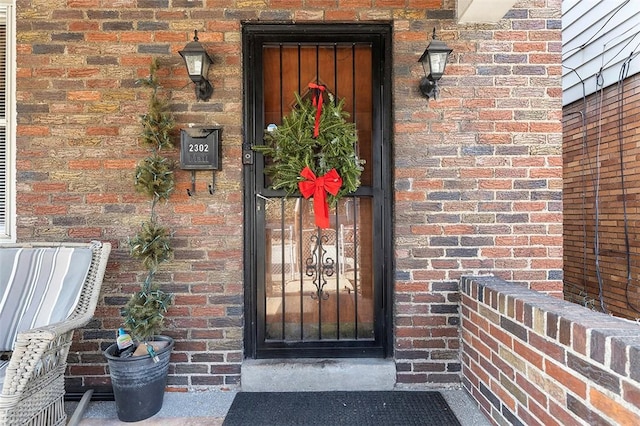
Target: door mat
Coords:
[[377, 408]]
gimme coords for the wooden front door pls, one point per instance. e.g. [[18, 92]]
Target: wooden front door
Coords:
[[314, 292]]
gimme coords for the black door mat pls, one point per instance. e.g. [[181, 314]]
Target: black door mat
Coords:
[[402, 408]]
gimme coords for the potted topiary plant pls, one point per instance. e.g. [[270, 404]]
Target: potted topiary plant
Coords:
[[140, 377]]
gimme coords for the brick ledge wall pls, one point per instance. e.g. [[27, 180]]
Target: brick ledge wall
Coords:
[[529, 358]]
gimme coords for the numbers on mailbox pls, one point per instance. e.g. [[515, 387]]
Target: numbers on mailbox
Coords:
[[198, 147]]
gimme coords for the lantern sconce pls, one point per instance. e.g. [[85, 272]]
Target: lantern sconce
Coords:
[[434, 61], [197, 61]]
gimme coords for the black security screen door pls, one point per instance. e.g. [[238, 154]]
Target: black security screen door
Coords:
[[314, 292]]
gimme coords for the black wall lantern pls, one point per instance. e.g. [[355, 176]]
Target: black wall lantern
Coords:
[[434, 61], [197, 61]]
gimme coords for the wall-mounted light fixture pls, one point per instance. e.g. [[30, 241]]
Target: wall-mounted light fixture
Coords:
[[434, 61], [197, 61]]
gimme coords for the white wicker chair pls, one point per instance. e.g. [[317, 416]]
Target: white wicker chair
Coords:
[[33, 389]]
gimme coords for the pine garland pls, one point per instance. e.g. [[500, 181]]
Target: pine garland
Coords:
[[144, 312], [151, 245], [154, 177], [292, 147]]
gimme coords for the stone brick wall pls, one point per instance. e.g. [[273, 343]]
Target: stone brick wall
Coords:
[[477, 172], [530, 359], [602, 135]]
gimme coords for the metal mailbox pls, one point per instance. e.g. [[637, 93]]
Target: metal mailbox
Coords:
[[200, 148]]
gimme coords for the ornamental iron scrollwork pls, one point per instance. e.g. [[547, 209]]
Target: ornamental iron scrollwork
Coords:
[[319, 266]]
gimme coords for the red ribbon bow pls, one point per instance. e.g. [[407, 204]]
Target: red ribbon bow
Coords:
[[318, 187], [317, 100]]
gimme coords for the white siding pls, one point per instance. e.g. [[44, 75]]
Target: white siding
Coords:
[[597, 35]]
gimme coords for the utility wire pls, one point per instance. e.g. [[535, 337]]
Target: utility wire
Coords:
[[621, 78], [624, 73], [599, 101], [619, 51], [585, 163], [583, 45]]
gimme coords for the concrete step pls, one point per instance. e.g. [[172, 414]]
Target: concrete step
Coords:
[[310, 374]]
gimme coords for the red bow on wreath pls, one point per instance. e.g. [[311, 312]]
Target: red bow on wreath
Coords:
[[318, 187], [317, 101]]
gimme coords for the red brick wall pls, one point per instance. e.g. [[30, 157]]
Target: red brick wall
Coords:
[[478, 178], [611, 120], [477, 172], [530, 359]]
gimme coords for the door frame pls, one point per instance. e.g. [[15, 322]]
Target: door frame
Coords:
[[317, 32]]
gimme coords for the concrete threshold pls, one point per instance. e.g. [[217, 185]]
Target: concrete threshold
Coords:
[[311, 374]]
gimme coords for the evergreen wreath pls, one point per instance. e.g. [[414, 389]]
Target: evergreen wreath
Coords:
[[292, 146]]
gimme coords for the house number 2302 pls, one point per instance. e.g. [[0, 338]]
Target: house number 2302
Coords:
[[198, 147]]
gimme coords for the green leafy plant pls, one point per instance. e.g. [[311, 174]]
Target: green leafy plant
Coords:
[[144, 313]]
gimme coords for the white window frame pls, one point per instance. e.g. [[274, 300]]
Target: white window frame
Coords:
[[8, 231]]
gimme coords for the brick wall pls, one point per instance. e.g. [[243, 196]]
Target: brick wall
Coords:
[[477, 172], [597, 130], [478, 177], [530, 359]]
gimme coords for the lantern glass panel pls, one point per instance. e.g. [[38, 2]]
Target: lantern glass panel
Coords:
[[194, 64], [437, 61]]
